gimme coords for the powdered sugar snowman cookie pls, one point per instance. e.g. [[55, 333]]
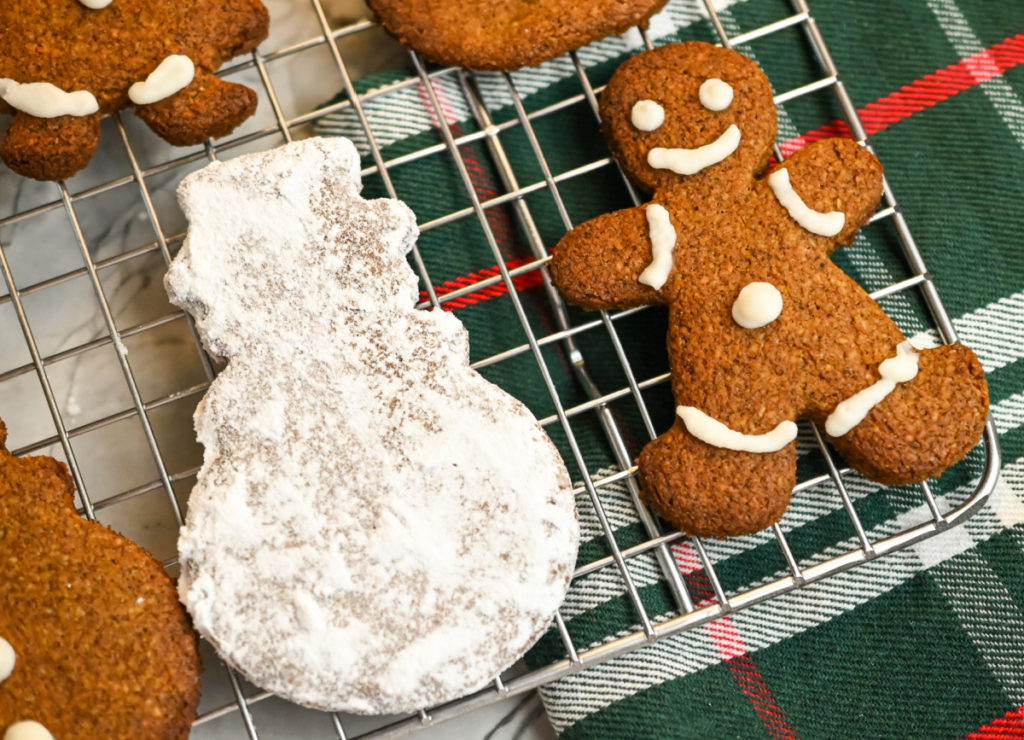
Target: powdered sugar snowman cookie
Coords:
[[763, 328], [375, 527]]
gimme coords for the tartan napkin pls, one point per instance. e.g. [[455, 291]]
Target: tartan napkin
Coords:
[[928, 642]]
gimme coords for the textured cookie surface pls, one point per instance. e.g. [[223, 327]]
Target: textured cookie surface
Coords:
[[763, 328], [101, 646], [103, 52], [375, 527], [506, 34]]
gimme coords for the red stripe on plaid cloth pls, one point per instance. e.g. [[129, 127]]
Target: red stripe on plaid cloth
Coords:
[[923, 93], [877, 116], [1008, 727], [727, 639], [521, 282]]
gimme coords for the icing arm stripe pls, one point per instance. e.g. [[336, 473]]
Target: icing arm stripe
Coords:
[[717, 434], [690, 161], [851, 412], [816, 222], [663, 241], [44, 100], [173, 74]]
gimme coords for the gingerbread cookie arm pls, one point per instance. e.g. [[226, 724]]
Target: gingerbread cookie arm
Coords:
[[829, 188], [207, 107], [599, 264], [50, 148]]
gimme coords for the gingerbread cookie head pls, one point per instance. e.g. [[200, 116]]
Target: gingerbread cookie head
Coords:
[[66, 63], [689, 109], [763, 328], [506, 34], [93, 641]]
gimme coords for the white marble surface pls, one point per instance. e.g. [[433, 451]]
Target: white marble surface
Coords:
[[64, 316]]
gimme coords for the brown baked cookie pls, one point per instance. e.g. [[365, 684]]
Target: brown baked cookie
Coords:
[[64, 65], [764, 329], [93, 641], [506, 34]]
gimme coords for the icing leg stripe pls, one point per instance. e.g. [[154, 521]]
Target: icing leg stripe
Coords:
[[663, 241], [851, 412], [717, 434]]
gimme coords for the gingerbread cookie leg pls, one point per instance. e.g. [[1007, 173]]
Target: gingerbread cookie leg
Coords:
[[50, 148], [712, 491], [922, 426], [207, 107]]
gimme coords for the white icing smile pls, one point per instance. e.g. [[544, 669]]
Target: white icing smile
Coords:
[[690, 161], [663, 241], [172, 74], [44, 100], [851, 412], [717, 434], [816, 222], [95, 4]]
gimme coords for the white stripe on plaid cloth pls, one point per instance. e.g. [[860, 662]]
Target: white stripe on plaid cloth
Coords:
[[1006, 102], [997, 628], [575, 697]]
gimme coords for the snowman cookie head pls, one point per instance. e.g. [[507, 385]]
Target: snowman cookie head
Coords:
[[687, 110]]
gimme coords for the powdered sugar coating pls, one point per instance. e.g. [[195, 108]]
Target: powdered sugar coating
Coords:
[[375, 527]]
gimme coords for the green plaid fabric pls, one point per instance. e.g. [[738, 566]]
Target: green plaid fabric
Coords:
[[928, 642]]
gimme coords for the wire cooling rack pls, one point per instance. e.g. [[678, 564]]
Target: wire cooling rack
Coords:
[[129, 445]]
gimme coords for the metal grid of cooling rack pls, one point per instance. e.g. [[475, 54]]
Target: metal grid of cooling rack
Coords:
[[172, 483]]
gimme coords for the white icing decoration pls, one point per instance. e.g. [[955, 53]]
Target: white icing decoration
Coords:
[[44, 100], [715, 94], [816, 222], [717, 434], [757, 305], [663, 241], [690, 161], [851, 412], [7, 659], [647, 115], [27, 730], [95, 4], [172, 74]]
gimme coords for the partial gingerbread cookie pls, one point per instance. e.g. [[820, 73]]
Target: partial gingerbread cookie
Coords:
[[506, 34], [93, 641], [763, 328], [66, 63], [375, 528]]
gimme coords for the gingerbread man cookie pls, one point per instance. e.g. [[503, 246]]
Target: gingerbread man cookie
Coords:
[[66, 63], [93, 641], [763, 328], [375, 527], [506, 34]]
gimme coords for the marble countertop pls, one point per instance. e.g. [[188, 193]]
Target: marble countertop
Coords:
[[91, 388]]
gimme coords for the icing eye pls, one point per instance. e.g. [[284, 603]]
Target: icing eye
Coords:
[[647, 115], [715, 94], [95, 4]]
